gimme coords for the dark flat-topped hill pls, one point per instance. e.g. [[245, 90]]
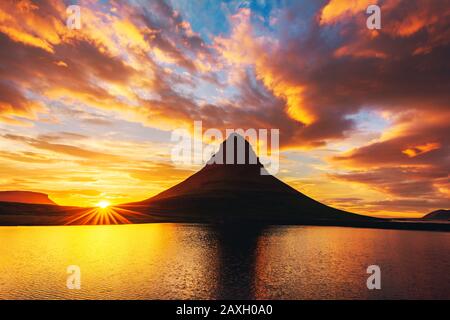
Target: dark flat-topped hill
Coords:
[[25, 197]]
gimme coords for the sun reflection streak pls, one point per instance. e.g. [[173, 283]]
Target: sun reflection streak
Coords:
[[102, 216]]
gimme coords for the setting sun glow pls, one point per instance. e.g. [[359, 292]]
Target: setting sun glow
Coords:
[[103, 204], [101, 122]]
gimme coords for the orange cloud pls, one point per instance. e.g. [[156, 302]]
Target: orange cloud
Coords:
[[33, 24], [13, 104], [418, 150], [339, 9], [64, 149], [404, 165], [243, 47], [73, 175]]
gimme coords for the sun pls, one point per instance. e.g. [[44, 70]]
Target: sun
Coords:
[[103, 204]]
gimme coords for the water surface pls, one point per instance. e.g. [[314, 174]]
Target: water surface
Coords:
[[175, 261]]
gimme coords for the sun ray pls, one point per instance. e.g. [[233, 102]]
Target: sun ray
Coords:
[[102, 216]]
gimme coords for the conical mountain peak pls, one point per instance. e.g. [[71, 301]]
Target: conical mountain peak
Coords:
[[235, 150]]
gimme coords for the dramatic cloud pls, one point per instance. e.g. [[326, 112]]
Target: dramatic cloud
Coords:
[[371, 105]]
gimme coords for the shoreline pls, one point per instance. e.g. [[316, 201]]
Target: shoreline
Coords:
[[21, 215], [384, 225]]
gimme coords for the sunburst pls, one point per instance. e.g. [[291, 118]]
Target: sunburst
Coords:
[[103, 214], [103, 204]]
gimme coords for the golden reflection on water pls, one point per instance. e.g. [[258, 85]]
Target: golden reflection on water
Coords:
[[179, 261], [117, 262], [331, 263]]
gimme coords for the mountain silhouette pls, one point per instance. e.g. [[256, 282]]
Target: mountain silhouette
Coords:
[[228, 191], [438, 215], [25, 197], [227, 194]]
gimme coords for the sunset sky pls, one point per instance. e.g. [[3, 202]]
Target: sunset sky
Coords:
[[86, 115]]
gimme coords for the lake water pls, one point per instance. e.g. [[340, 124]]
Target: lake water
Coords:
[[174, 261]]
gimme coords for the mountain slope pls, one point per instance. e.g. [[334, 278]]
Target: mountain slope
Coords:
[[438, 215], [238, 192]]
